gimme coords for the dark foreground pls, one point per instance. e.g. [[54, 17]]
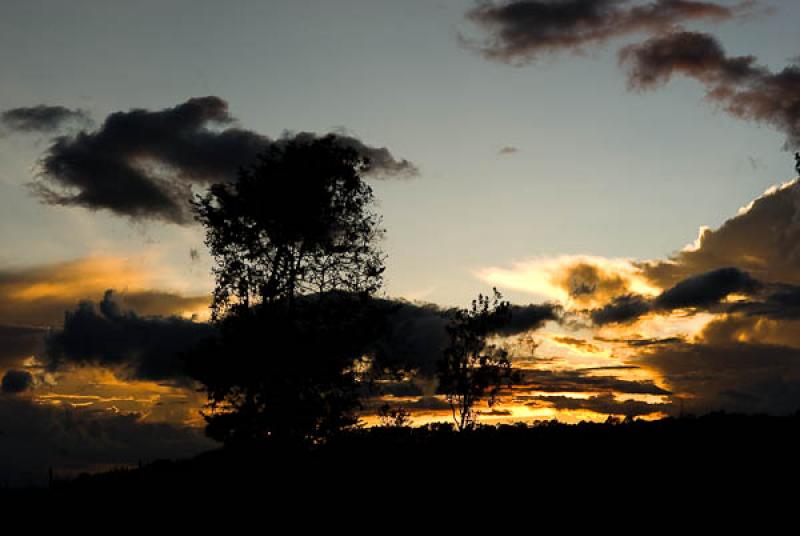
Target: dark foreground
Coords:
[[709, 450]]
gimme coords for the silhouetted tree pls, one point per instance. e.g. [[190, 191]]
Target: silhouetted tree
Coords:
[[297, 262], [473, 369], [797, 162], [298, 222]]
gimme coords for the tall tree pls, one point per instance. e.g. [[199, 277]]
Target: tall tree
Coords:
[[473, 369], [297, 262]]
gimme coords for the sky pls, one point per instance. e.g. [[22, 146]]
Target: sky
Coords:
[[525, 151]]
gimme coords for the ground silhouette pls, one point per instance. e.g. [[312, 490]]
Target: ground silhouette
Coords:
[[402, 461]]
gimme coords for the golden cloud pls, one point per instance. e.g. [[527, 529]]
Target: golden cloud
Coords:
[[577, 281]]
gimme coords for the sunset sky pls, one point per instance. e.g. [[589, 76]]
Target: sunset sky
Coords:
[[624, 165]]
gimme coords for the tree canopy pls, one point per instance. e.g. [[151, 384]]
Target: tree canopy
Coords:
[[298, 222], [295, 242]]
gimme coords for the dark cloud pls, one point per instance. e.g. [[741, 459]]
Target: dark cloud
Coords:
[[417, 332], [706, 289], [783, 303], [521, 31], [36, 437], [743, 88], [621, 309], [416, 335], [16, 381], [762, 240], [143, 164], [43, 118], [638, 343], [606, 404], [582, 381], [716, 374], [134, 346], [702, 291], [531, 317]]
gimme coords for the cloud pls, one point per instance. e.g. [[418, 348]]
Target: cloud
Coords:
[[143, 164], [16, 381], [637, 343], [417, 332], [583, 381], [43, 119], [782, 303], [621, 309], [575, 280], [36, 437], [579, 344], [521, 31], [135, 347], [531, 317], [38, 295], [707, 289], [606, 404], [712, 375], [699, 292], [507, 150], [762, 240], [743, 88]]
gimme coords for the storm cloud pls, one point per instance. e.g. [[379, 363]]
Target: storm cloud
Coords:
[[521, 31], [738, 84], [143, 164], [43, 119]]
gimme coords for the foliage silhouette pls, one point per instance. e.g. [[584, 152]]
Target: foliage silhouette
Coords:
[[398, 417], [297, 264], [472, 369]]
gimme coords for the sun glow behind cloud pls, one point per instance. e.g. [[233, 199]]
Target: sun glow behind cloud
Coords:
[[574, 280]]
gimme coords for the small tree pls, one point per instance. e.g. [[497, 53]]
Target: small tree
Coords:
[[472, 369], [297, 263]]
